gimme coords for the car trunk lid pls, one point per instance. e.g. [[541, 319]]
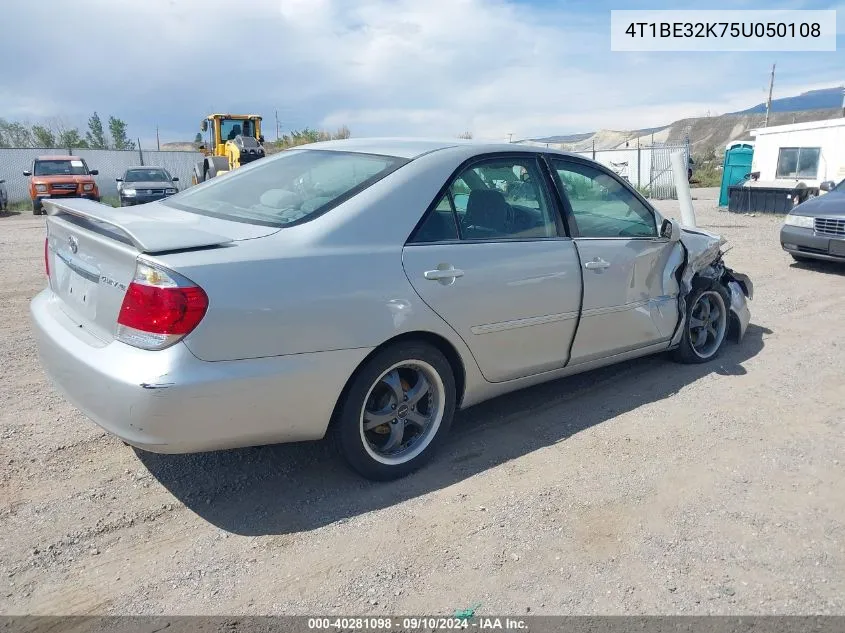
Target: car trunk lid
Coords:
[[92, 250]]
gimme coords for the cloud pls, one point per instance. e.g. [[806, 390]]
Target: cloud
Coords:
[[382, 67]]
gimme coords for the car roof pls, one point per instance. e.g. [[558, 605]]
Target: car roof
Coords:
[[411, 148], [145, 167], [59, 157]]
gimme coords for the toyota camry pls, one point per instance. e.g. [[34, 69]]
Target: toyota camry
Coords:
[[367, 289]]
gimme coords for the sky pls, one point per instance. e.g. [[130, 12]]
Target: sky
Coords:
[[495, 68]]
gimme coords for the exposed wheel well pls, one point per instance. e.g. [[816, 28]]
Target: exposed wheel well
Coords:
[[435, 340]]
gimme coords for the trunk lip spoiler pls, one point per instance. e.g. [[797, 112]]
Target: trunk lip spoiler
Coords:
[[146, 234]]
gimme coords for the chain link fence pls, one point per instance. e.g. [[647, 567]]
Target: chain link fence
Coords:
[[110, 163]]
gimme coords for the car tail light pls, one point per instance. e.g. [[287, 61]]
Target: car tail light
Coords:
[[159, 308], [47, 256]]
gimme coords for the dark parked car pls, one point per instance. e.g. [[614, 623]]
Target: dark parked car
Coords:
[[140, 185], [815, 229], [4, 196]]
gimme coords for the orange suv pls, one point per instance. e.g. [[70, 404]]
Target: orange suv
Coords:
[[60, 177]]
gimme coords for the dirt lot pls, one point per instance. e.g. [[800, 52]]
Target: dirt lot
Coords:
[[643, 488]]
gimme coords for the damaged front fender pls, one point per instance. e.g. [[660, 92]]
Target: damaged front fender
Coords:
[[704, 262]]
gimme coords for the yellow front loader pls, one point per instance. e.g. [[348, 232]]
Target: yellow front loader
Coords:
[[234, 140]]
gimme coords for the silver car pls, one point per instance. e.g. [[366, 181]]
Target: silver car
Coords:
[[366, 289]]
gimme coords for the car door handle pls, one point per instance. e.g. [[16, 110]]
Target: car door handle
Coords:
[[597, 264], [443, 273]]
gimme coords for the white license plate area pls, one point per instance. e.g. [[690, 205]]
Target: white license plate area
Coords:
[[77, 288], [836, 247]]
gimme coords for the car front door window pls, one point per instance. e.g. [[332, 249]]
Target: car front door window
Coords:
[[603, 206]]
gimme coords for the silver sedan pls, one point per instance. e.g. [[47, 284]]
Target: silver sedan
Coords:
[[366, 289]]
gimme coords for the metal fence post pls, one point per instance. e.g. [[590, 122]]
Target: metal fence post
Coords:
[[639, 160], [140, 153]]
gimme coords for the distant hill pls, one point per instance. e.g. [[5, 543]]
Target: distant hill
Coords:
[[179, 146], [704, 132], [824, 99]]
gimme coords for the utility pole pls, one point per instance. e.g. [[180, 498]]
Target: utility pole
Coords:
[[158, 142], [277, 125], [769, 101]]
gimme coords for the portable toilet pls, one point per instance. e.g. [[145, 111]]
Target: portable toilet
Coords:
[[736, 166]]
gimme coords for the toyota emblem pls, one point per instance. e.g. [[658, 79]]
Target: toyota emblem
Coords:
[[73, 243]]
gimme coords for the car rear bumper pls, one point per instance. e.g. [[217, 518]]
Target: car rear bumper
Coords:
[[807, 243], [169, 401]]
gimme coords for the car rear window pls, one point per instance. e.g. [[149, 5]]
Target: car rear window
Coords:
[[290, 188]]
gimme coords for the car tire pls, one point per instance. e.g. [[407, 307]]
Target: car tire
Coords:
[[37, 208], [706, 325], [388, 423], [800, 258]]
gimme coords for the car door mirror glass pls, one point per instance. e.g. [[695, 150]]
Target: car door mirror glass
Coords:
[[670, 230], [827, 185]]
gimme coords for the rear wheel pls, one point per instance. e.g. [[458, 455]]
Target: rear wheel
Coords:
[[37, 208], [396, 411], [706, 325]]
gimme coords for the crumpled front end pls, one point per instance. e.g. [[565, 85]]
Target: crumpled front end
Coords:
[[704, 264]]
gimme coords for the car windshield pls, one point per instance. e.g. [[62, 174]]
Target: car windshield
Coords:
[[60, 168], [230, 128], [840, 187], [146, 175], [293, 187]]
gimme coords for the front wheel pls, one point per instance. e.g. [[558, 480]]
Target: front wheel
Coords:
[[396, 411], [706, 325]]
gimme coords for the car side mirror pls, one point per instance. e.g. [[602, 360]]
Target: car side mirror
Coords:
[[204, 125], [201, 146], [27, 173], [175, 179], [261, 139], [670, 230], [94, 172], [827, 185], [119, 179], [2, 181]]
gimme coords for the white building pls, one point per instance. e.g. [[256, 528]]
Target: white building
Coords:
[[810, 152]]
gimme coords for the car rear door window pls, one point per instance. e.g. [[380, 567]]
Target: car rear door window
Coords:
[[493, 199], [439, 225], [601, 204]]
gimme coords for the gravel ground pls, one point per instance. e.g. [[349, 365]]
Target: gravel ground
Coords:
[[644, 488]]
